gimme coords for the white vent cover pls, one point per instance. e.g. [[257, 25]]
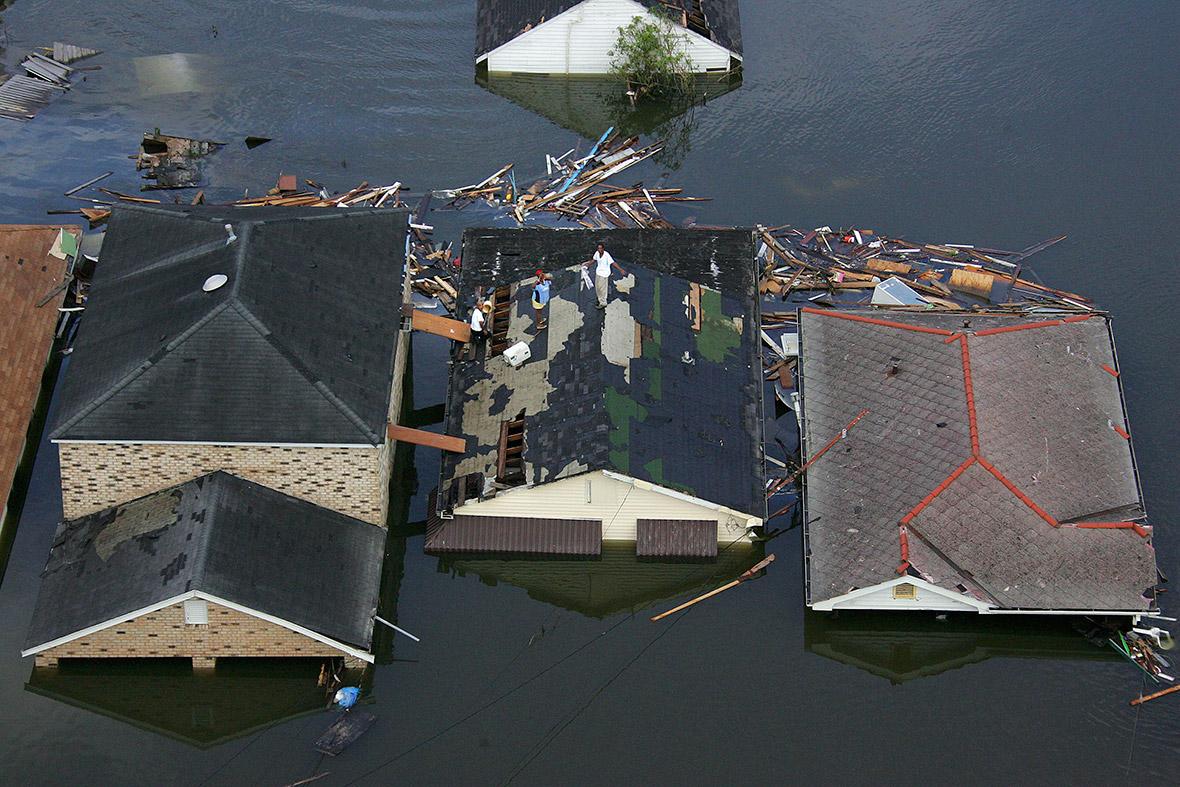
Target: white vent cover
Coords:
[[214, 281], [196, 612]]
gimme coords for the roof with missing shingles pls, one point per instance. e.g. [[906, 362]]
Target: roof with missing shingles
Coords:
[[499, 21], [647, 387], [296, 347], [988, 445], [222, 535]]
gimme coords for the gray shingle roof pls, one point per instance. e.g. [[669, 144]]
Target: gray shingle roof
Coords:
[[222, 535], [611, 389], [297, 347], [499, 21], [989, 481]]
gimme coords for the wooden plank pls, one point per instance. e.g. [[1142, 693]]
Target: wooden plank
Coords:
[[441, 326], [350, 726], [429, 439]]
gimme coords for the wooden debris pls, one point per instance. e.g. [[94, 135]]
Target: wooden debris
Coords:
[[747, 575], [173, 162], [351, 725]]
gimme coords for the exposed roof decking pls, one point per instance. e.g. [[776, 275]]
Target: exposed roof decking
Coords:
[[610, 389], [982, 481], [220, 535], [297, 347]]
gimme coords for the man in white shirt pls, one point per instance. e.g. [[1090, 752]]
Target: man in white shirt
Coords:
[[477, 322], [603, 263]]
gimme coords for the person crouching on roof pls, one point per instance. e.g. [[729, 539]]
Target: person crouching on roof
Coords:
[[540, 300], [603, 263]]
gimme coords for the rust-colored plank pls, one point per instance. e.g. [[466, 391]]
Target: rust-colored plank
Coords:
[[441, 326], [430, 439]]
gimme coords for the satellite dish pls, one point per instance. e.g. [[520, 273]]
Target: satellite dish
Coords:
[[214, 281]]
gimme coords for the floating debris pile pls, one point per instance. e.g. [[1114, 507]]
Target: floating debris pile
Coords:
[[857, 268], [173, 162], [21, 97], [576, 189]]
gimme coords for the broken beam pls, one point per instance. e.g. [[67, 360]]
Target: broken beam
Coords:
[[429, 439]]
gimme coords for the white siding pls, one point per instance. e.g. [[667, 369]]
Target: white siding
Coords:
[[617, 503], [579, 41], [925, 597]]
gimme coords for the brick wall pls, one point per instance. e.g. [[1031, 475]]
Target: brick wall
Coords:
[[350, 480], [164, 633]]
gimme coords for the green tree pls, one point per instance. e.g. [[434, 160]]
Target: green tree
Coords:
[[650, 57]]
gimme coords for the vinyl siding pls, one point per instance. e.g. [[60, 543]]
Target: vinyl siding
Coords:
[[618, 504], [579, 41]]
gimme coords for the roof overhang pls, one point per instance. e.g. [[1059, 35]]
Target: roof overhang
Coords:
[[931, 597], [752, 519], [350, 650], [640, 9], [223, 443]]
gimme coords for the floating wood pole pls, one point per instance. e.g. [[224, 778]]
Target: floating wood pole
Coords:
[[761, 565], [1154, 695], [91, 182]]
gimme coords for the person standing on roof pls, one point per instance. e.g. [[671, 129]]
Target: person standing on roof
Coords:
[[478, 322], [603, 263], [540, 299]]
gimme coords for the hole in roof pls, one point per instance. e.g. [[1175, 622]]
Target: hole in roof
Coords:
[[214, 281]]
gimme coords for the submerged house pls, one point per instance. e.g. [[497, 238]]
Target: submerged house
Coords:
[[977, 462], [639, 423], [576, 36], [216, 567], [263, 341]]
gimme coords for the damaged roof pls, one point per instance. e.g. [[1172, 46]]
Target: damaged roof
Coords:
[[993, 459], [222, 535], [499, 21], [663, 385], [297, 346]]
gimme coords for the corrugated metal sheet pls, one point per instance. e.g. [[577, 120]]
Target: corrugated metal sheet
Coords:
[[513, 535], [676, 538]]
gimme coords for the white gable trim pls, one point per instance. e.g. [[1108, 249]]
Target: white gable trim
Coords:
[[360, 654], [107, 624], [639, 10], [226, 443], [933, 598], [672, 493]]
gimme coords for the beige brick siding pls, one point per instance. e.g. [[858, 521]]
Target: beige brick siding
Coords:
[[164, 633], [350, 480]]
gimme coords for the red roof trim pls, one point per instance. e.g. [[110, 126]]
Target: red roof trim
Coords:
[[874, 321]]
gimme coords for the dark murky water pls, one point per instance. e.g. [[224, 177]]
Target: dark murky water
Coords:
[[998, 123]]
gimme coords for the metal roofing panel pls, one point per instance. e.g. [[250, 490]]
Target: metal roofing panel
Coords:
[[676, 538], [514, 535]]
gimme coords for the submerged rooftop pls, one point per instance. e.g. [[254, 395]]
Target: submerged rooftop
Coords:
[[664, 385], [278, 328], [992, 461]]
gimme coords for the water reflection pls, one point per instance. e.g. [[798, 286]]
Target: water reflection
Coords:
[[906, 646], [203, 708], [616, 582], [589, 105]]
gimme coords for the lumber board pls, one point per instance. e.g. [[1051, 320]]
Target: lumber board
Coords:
[[406, 434], [441, 326]]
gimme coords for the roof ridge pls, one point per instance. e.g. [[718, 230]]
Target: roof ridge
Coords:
[[131, 376], [319, 385]]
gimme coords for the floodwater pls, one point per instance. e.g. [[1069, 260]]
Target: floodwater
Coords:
[[999, 123]]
